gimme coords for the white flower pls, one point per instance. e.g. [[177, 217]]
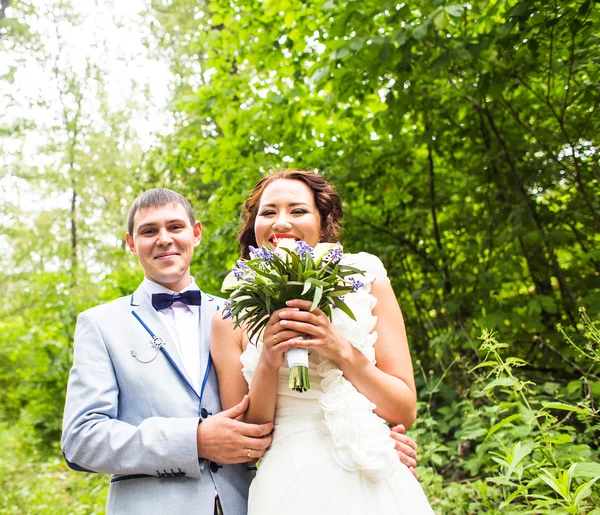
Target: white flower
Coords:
[[322, 249], [285, 243], [231, 281]]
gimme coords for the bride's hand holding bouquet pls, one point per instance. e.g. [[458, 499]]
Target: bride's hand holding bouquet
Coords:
[[316, 332], [277, 340]]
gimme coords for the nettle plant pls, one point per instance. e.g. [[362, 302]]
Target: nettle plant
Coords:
[[513, 446]]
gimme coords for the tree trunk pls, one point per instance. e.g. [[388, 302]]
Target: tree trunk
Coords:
[[436, 230], [73, 222], [562, 281], [419, 309], [543, 286], [3, 7]]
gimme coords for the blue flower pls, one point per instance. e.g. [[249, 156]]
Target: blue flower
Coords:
[[262, 253], [356, 284], [242, 272], [303, 248], [334, 255], [239, 270], [227, 310]]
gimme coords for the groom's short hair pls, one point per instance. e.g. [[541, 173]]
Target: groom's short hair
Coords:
[[158, 197]]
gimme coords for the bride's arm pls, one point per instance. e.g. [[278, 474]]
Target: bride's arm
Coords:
[[226, 347], [390, 384]]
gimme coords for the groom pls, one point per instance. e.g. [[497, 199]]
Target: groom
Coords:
[[142, 399]]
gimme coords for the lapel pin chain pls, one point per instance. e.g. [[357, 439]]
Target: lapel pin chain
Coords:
[[157, 344]]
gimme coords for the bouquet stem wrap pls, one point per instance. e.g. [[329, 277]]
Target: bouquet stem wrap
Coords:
[[297, 359]]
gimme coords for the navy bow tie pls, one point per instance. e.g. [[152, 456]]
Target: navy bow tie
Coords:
[[165, 300]]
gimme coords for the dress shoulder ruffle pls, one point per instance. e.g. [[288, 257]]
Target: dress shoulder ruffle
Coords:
[[370, 263], [361, 439]]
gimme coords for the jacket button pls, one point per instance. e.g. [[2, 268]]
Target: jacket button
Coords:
[[214, 467], [204, 413]]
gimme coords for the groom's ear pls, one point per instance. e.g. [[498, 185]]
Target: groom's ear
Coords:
[[130, 243], [197, 233]]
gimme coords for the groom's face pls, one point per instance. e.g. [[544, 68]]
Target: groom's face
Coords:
[[163, 239]]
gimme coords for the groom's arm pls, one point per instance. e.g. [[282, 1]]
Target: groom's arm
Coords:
[[93, 437]]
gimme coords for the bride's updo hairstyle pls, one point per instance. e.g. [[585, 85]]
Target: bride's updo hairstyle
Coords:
[[327, 201]]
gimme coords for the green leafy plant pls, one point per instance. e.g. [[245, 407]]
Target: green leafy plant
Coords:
[[511, 446]]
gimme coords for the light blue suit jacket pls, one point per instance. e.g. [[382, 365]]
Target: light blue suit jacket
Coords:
[[134, 419]]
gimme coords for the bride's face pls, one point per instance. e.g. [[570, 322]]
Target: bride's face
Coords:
[[287, 210]]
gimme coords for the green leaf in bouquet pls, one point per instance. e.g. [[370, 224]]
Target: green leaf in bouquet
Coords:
[[284, 276], [346, 270], [317, 282], [307, 285], [317, 297], [309, 273], [342, 305], [340, 291], [296, 263], [254, 328]]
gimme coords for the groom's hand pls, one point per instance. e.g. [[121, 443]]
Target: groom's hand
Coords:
[[406, 448], [224, 439]]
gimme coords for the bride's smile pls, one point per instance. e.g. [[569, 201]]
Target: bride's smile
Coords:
[[276, 238], [287, 209]]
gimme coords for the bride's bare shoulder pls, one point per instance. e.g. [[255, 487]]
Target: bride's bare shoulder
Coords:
[[224, 334]]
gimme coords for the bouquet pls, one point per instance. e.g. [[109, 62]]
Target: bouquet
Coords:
[[292, 270]]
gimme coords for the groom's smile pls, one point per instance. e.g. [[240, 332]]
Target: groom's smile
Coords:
[[167, 255], [163, 240]]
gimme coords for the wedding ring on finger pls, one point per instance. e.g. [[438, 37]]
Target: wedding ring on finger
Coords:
[[249, 453], [275, 340]]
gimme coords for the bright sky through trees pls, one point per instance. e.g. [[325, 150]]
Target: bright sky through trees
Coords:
[[107, 50]]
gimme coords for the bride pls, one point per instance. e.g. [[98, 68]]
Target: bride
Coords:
[[331, 451]]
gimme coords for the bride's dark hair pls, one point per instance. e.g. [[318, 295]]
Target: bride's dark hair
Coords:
[[327, 201]]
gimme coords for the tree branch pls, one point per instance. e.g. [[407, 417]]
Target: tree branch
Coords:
[[403, 240]]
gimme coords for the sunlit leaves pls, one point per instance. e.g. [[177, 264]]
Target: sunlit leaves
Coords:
[[458, 112]]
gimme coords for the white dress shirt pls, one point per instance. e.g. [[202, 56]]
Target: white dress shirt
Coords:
[[183, 322]]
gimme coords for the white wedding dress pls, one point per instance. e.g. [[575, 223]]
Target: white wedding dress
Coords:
[[331, 454]]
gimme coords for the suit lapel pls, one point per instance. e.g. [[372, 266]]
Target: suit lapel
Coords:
[[141, 305]]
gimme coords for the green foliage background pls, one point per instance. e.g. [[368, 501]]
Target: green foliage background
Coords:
[[463, 139]]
